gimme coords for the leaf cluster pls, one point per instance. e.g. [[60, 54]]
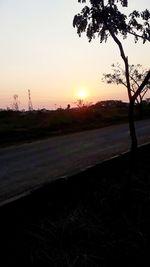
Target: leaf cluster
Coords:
[[101, 17]]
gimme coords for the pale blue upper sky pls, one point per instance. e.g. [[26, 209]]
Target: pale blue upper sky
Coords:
[[40, 51]]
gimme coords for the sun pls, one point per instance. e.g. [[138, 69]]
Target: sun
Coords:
[[82, 94]]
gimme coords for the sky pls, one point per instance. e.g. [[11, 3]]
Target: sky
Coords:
[[41, 51]]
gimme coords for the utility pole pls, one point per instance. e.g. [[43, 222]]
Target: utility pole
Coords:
[[30, 107]]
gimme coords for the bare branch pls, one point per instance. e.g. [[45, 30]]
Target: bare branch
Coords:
[[143, 84]]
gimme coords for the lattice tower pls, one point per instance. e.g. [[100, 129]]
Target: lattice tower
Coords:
[[30, 106]]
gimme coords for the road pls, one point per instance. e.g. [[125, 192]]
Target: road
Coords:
[[27, 166]]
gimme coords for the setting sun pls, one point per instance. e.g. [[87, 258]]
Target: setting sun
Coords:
[[82, 94]]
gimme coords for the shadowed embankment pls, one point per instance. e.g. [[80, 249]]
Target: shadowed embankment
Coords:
[[85, 220]]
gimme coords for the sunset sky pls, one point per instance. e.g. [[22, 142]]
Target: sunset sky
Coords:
[[40, 51]]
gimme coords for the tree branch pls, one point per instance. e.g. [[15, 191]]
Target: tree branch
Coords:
[[134, 80], [125, 59], [143, 84], [139, 36]]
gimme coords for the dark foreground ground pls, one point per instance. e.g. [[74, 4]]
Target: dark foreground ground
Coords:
[[91, 219]]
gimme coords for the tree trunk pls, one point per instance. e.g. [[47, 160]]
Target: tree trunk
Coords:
[[132, 127], [140, 109]]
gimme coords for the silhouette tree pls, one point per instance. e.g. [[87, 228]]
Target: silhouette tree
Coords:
[[80, 103], [68, 107], [103, 19], [15, 104], [136, 76]]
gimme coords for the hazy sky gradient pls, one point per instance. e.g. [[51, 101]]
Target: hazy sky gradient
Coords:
[[40, 51]]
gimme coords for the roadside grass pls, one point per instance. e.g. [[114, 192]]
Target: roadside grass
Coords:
[[89, 219], [18, 127]]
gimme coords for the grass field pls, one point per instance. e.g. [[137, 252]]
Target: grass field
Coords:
[[18, 127]]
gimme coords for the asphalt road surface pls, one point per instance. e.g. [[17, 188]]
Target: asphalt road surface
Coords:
[[26, 167]]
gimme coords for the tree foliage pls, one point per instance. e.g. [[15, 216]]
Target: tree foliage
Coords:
[[136, 74], [103, 18]]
